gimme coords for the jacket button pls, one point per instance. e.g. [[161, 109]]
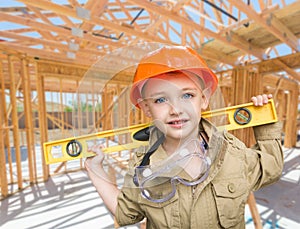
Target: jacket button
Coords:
[[231, 187]]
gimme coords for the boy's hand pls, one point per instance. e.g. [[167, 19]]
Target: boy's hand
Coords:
[[260, 100], [97, 159], [106, 187]]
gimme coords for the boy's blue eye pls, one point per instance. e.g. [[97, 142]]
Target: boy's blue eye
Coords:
[[187, 96], [160, 100]]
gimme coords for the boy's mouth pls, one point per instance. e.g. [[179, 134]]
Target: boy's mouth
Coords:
[[177, 122]]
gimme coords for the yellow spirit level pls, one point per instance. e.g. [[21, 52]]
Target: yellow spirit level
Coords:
[[237, 117]]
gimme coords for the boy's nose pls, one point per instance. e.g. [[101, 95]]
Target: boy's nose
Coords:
[[175, 108]]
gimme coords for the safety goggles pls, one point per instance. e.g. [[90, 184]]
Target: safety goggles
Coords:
[[188, 166]]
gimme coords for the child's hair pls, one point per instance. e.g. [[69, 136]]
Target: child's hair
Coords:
[[175, 73]]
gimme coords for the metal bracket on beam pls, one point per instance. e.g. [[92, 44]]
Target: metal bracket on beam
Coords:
[[73, 46], [71, 55], [77, 32], [83, 13]]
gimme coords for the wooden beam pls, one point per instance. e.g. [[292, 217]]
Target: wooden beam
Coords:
[[245, 46], [45, 42], [7, 128], [46, 34], [74, 3], [254, 211], [15, 120], [28, 122], [286, 35], [283, 63], [96, 9], [288, 70], [39, 54], [276, 27], [62, 10], [3, 172], [42, 120], [65, 32], [212, 54], [283, 84], [291, 118]]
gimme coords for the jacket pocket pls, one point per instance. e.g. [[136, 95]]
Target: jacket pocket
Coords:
[[161, 215], [231, 197]]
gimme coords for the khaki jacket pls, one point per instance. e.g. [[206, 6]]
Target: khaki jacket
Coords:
[[218, 202]]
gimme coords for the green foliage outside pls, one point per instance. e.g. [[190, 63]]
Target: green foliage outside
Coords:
[[74, 106]]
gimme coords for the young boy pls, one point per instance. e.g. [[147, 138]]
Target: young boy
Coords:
[[191, 175]]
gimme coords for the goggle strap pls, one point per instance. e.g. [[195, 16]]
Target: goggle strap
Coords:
[[205, 144], [152, 149]]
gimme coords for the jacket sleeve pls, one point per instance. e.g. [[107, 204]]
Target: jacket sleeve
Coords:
[[128, 210], [265, 167]]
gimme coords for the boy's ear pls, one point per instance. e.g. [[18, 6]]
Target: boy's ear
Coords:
[[205, 99], [204, 102], [145, 108]]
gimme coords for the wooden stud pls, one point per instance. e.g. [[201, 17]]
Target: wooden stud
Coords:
[[3, 173], [14, 114], [289, 119], [6, 113], [79, 109], [62, 119], [292, 111], [66, 112], [43, 127], [95, 103], [254, 212], [28, 122], [243, 80]]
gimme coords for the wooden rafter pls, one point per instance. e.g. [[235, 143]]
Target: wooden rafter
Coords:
[[273, 25], [188, 23], [95, 20]]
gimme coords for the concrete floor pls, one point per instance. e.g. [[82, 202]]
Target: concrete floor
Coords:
[[279, 204], [70, 201]]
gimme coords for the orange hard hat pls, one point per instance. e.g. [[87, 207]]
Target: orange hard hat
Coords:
[[170, 59]]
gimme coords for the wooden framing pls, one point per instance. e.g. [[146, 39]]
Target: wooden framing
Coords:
[[245, 84], [3, 127], [15, 128], [42, 118], [285, 92], [28, 121], [222, 39], [35, 78], [57, 59]]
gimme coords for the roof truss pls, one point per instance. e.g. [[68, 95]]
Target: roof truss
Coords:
[[226, 33]]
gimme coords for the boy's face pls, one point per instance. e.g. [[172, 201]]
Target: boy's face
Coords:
[[174, 102]]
